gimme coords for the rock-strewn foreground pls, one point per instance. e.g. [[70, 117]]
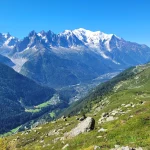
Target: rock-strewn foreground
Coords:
[[117, 120]]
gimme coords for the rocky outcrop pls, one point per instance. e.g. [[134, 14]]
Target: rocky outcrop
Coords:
[[105, 117], [85, 126], [114, 114]]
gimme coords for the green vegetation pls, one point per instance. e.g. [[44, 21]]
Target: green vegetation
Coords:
[[128, 95], [52, 114], [13, 131]]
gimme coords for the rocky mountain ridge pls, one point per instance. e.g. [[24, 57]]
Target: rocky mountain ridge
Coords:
[[79, 56]]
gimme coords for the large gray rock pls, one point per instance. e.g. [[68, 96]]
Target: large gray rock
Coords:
[[85, 126]]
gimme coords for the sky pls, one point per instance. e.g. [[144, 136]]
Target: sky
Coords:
[[129, 19]]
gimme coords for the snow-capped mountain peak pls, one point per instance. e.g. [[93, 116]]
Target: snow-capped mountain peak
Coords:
[[6, 40], [96, 35], [42, 35], [93, 39], [66, 33], [90, 39], [72, 38], [6, 35], [47, 36]]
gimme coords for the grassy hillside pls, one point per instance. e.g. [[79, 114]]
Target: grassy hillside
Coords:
[[97, 94], [120, 107]]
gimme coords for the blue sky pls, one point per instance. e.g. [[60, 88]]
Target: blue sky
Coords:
[[129, 19]]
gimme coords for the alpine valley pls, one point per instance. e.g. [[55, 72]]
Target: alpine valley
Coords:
[[44, 73], [115, 116]]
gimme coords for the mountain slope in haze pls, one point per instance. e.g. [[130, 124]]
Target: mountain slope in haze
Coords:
[[120, 108], [49, 69], [6, 61], [18, 93], [78, 55]]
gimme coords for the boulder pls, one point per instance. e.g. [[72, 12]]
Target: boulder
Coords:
[[110, 118], [85, 126]]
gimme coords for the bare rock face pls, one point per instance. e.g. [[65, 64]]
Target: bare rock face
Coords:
[[85, 126]]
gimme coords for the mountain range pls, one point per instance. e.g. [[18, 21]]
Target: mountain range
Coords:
[[45, 72], [71, 57]]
